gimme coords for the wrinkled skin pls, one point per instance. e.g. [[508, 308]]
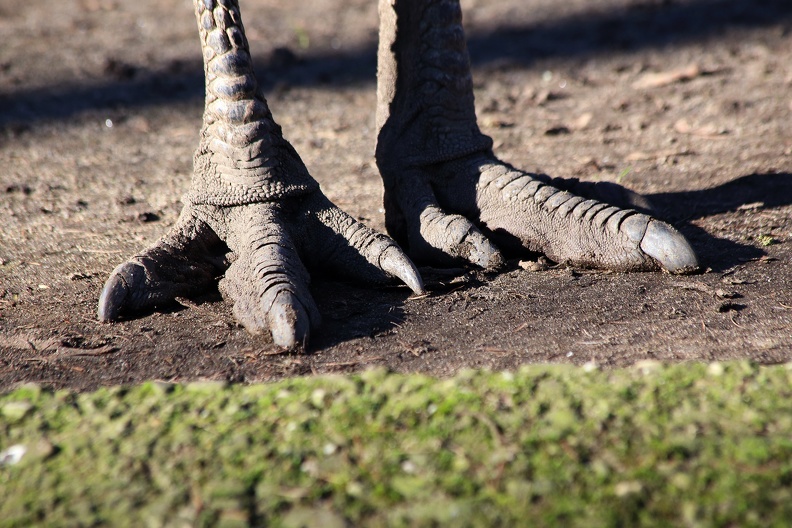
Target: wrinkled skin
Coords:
[[253, 214], [446, 193], [256, 218]]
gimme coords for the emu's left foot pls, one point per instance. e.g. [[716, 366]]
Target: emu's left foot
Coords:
[[471, 206], [448, 197]]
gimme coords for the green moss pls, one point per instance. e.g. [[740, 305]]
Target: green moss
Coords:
[[689, 444], [766, 240]]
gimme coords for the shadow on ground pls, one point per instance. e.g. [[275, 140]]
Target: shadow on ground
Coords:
[[754, 192], [644, 25]]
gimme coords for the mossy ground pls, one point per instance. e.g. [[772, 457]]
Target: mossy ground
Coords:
[[678, 445]]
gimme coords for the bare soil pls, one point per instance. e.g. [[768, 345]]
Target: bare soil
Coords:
[[687, 101]]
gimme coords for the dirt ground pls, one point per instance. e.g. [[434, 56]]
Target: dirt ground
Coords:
[[687, 101]]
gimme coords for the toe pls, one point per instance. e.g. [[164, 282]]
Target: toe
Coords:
[[267, 281], [185, 261], [442, 235], [578, 231], [669, 248], [478, 250], [332, 239]]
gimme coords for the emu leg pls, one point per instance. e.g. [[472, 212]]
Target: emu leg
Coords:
[[447, 196]]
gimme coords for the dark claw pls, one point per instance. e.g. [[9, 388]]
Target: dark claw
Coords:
[[118, 289], [668, 247]]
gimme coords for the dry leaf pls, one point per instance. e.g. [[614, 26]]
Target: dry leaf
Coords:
[[658, 79], [496, 121], [751, 206], [663, 154]]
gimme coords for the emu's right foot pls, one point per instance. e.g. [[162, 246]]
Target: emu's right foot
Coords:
[[264, 273]]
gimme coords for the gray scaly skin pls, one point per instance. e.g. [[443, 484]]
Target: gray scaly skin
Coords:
[[447, 197], [253, 213]]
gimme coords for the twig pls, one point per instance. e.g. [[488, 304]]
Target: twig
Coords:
[[521, 327], [65, 351], [352, 363], [277, 352], [693, 285]]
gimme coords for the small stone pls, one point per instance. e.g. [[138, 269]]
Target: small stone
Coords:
[[723, 294], [12, 455], [529, 265], [647, 366], [318, 398], [408, 467], [590, 366], [204, 386]]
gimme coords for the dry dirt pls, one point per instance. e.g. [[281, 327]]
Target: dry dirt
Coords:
[[687, 101]]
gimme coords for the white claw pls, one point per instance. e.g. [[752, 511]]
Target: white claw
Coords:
[[668, 247], [394, 262], [289, 321]]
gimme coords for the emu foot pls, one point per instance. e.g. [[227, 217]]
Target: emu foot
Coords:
[[475, 206], [253, 212], [260, 248]]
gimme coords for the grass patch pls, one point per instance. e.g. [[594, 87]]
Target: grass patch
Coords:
[[688, 444]]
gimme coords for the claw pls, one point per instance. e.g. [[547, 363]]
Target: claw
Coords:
[[396, 263], [666, 245], [289, 321], [118, 289], [478, 250]]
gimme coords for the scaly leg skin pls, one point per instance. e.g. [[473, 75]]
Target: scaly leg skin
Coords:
[[252, 213], [448, 197]]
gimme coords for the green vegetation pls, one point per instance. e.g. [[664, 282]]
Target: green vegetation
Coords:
[[767, 240], [679, 445]]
